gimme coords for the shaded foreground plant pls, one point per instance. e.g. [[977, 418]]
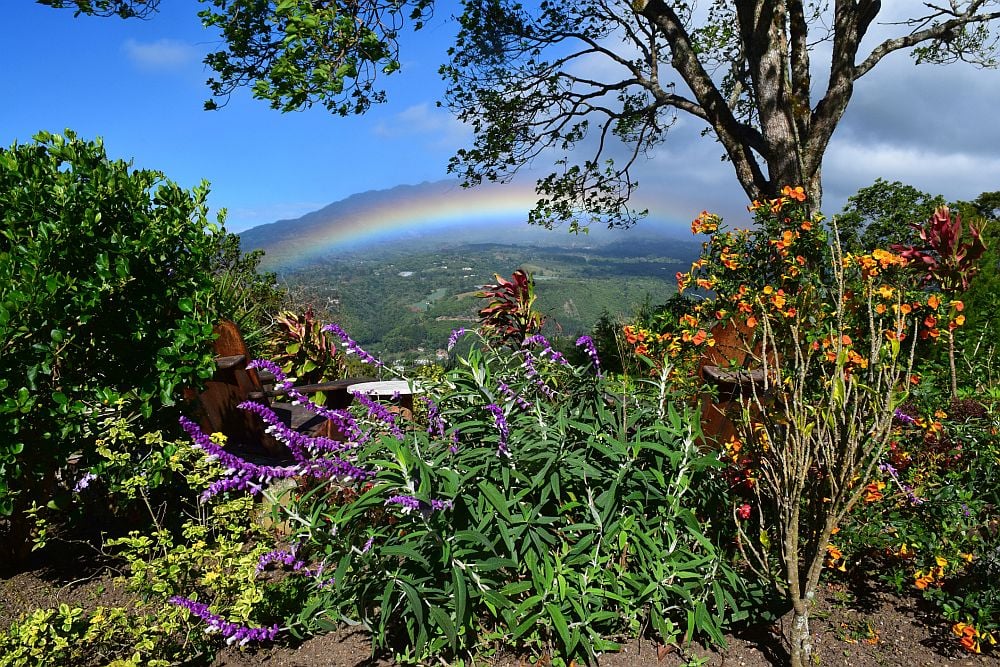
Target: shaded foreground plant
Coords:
[[537, 509], [930, 524]]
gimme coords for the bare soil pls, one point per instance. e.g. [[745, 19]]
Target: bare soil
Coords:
[[850, 628]]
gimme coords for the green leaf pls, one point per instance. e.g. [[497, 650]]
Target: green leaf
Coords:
[[559, 622], [495, 498]]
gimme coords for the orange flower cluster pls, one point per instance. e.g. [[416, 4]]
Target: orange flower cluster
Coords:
[[934, 574], [835, 558], [706, 223], [871, 265], [873, 492], [789, 194], [648, 344], [970, 638]]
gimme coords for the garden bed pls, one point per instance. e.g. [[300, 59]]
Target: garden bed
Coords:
[[851, 627]]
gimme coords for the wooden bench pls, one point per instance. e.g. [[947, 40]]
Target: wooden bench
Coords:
[[233, 383]]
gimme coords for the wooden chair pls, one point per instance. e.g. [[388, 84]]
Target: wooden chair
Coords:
[[726, 366], [234, 383]]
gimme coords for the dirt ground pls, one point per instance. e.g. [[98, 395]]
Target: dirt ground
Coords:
[[849, 629]]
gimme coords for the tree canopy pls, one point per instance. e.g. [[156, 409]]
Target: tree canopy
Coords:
[[607, 78]]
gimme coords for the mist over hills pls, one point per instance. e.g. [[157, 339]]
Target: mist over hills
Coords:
[[399, 268]]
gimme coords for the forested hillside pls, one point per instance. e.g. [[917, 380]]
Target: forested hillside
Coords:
[[404, 304]]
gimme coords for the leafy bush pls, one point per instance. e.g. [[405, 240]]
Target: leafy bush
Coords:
[[536, 509], [242, 294], [820, 355], [930, 522], [104, 272]]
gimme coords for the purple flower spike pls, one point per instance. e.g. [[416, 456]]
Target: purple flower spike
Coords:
[[588, 345], [412, 503], [352, 345], [542, 341], [453, 338], [280, 379], [514, 396], [501, 423], [233, 632], [435, 422], [379, 412], [84, 482], [903, 418], [244, 476]]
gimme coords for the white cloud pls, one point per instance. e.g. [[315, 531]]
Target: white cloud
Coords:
[[162, 54], [956, 175], [437, 124]]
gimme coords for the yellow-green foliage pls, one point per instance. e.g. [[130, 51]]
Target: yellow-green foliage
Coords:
[[211, 557], [109, 636]]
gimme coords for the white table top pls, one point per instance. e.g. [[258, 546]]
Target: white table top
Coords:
[[384, 388]]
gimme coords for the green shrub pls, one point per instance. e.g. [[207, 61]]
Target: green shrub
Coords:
[[104, 279], [537, 510], [212, 556], [930, 523]]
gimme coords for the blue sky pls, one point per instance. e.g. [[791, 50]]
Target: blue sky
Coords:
[[140, 85]]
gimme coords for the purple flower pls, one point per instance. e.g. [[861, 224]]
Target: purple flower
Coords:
[[513, 395], [280, 379], [84, 482], [379, 412], [588, 345], [231, 461], [244, 476], [342, 419], [435, 422], [453, 338], [531, 372], [539, 339], [906, 488], [903, 417], [286, 557], [412, 503], [352, 345], [887, 467], [233, 632], [368, 545], [500, 421]]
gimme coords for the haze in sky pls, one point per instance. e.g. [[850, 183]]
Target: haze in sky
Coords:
[[140, 86]]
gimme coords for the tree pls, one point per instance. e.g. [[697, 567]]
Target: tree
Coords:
[[530, 78], [883, 214], [293, 53], [523, 80], [125, 9]]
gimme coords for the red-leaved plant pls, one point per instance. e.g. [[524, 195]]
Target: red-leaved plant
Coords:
[[509, 315], [949, 259]]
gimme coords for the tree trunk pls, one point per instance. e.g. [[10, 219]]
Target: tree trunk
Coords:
[[799, 637]]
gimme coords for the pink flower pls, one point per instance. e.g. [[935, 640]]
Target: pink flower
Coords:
[[743, 511]]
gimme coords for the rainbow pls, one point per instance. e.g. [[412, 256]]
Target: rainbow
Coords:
[[442, 209]]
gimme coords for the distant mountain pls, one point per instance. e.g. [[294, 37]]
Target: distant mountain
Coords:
[[399, 268], [435, 215]]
